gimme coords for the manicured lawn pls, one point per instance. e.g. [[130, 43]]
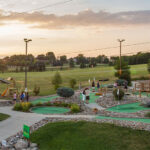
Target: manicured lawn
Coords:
[[89, 136], [3, 117], [43, 79]]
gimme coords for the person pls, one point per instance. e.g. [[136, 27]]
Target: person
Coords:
[[126, 86], [22, 96], [115, 85], [83, 95], [98, 85], [15, 97], [27, 97], [93, 86], [87, 95]]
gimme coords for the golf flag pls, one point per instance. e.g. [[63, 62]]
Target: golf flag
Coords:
[[89, 81], [118, 92]]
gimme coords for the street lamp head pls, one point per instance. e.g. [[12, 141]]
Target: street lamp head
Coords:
[[121, 40], [27, 40]]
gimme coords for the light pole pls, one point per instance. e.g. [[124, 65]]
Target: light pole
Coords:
[[120, 41], [26, 52]]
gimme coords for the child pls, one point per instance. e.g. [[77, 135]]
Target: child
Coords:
[[84, 95], [15, 97]]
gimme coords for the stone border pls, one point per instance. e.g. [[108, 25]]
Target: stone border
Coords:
[[11, 141]]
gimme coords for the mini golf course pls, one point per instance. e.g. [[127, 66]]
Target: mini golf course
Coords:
[[50, 110], [126, 108]]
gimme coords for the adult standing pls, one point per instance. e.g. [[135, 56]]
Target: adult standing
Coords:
[[93, 86], [87, 95], [27, 97], [98, 85]]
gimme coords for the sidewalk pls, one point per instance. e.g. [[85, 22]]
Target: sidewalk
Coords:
[[15, 123]]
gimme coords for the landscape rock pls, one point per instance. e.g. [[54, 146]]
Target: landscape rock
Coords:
[[21, 144]]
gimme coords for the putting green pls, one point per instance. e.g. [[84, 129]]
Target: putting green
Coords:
[[93, 98], [44, 99], [50, 110], [125, 119], [127, 108]]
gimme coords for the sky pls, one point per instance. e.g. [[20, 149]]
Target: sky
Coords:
[[69, 27]]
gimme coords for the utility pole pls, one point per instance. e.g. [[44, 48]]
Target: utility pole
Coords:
[[120, 41], [26, 53]]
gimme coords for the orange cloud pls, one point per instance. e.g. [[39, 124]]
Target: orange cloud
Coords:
[[86, 18]]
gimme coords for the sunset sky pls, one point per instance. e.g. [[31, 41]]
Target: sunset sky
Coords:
[[77, 25]]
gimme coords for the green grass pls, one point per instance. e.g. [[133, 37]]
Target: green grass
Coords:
[[43, 79], [3, 117], [88, 136]]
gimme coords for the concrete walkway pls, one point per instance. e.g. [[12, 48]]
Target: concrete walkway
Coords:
[[15, 123], [94, 105]]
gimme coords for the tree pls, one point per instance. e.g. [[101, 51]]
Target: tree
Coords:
[[51, 57], [148, 66], [63, 59], [71, 63], [73, 82], [125, 73], [57, 80], [3, 66]]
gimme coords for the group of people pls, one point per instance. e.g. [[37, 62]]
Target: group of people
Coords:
[[23, 97], [97, 85], [86, 91]]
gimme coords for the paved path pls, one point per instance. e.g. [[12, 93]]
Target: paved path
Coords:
[[14, 124], [94, 105]]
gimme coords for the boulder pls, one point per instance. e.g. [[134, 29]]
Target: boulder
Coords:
[[21, 144]]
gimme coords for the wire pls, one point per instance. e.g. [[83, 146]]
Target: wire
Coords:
[[106, 48], [47, 6]]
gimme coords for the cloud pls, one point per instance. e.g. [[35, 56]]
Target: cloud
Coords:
[[87, 18]]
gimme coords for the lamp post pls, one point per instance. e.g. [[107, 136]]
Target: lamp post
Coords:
[[26, 52], [120, 41]]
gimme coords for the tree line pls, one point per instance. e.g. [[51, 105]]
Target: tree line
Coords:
[[40, 62]]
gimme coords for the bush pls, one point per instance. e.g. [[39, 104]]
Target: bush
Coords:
[[147, 115], [120, 96], [57, 80], [65, 92], [36, 90], [121, 82], [147, 104], [75, 108], [73, 82], [24, 106]]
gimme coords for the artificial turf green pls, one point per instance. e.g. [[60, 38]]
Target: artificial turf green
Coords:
[[128, 108], [43, 99], [89, 136], [3, 117], [50, 110]]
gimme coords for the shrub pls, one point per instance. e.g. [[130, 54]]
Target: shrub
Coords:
[[147, 104], [73, 82], [120, 96], [39, 104], [121, 82], [75, 108], [57, 80], [24, 106], [36, 90], [65, 92], [147, 115], [17, 107]]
